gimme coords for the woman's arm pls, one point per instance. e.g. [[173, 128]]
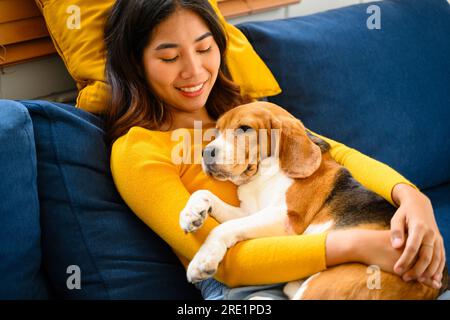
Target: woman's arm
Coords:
[[370, 247], [424, 244]]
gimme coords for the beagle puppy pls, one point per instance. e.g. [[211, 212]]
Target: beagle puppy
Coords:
[[288, 184]]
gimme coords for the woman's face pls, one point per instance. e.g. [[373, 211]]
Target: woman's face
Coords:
[[182, 61]]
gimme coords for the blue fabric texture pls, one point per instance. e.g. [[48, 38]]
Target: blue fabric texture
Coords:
[[85, 223], [21, 276], [211, 289], [384, 92]]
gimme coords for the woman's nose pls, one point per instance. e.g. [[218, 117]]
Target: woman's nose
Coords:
[[191, 67]]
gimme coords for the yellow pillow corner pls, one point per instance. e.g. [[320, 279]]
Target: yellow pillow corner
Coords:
[[83, 52]]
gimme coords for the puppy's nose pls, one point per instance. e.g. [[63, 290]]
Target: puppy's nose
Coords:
[[209, 154]]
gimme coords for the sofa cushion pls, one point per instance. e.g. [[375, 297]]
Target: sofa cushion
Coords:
[[440, 198], [20, 233], [86, 224], [382, 91]]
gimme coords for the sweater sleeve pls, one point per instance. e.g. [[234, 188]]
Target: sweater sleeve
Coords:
[[372, 174], [151, 186]]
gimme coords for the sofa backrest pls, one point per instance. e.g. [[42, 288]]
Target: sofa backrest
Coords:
[[385, 92]]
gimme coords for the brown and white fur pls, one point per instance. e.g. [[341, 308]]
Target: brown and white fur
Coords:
[[301, 191]]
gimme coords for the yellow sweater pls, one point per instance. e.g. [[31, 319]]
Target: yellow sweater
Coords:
[[157, 190]]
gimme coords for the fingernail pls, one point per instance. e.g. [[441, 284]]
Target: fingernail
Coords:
[[437, 278], [437, 284], [407, 278], [421, 279], [396, 242]]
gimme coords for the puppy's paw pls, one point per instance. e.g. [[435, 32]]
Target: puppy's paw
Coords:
[[205, 263], [196, 210]]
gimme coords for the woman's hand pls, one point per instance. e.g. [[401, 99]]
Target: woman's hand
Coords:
[[371, 247], [374, 248], [414, 228]]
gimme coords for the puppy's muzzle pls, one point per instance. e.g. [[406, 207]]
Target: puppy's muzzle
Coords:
[[209, 159], [211, 163]]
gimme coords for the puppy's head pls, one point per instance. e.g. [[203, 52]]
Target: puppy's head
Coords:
[[250, 133]]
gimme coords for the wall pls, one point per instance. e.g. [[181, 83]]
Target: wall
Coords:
[[48, 78], [305, 7], [36, 79]]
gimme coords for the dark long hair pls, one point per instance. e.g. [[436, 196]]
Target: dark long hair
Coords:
[[127, 32]]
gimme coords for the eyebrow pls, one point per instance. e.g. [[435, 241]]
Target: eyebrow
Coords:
[[174, 45]]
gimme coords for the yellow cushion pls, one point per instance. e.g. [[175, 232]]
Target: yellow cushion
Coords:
[[83, 51]]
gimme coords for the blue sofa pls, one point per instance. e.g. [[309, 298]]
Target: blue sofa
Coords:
[[385, 92]]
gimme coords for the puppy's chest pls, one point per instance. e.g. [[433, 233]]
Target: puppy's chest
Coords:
[[262, 193]]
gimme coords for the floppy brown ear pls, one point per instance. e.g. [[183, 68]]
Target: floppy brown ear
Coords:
[[299, 156]]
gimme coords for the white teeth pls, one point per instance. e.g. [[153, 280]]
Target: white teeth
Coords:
[[192, 89]]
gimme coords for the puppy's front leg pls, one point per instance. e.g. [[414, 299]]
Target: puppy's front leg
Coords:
[[265, 223], [203, 202]]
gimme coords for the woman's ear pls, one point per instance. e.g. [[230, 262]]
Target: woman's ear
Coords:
[[299, 156]]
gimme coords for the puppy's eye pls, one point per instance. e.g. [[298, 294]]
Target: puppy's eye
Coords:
[[245, 128]]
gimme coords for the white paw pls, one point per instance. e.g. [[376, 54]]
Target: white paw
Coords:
[[206, 261], [291, 288], [196, 210]]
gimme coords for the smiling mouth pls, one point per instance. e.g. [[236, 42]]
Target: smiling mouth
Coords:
[[192, 89]]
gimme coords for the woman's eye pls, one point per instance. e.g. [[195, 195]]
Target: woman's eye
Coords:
[[175, 58], [245, 128], [169, 60], [205, 50]]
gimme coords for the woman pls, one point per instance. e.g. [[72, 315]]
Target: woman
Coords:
[[166, 68]]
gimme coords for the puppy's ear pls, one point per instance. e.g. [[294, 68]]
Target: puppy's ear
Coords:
[[299, 156]]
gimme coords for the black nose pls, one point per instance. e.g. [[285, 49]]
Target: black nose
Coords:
[[208, 154]]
